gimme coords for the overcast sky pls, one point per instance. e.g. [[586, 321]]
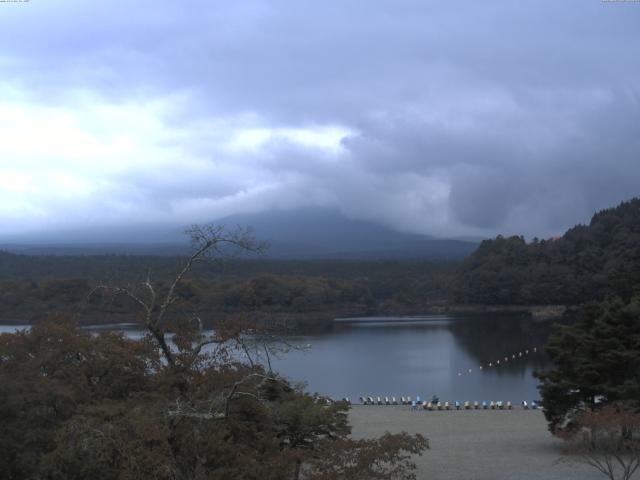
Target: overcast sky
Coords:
[[442, 117]]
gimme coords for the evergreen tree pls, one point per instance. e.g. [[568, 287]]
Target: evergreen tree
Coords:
[[596, 362]]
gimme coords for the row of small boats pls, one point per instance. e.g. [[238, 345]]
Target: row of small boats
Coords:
[[438, 405]]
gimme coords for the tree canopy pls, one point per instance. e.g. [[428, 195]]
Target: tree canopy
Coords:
[[587, 263], [596, 362], [75, 405]]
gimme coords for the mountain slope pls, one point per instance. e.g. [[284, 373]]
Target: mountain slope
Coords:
[[322, 233], [586, 263], [312, 233]]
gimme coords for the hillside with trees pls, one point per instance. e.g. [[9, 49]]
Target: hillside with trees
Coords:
[[587, 263]]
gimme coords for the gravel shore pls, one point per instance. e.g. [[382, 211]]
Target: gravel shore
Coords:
[[476, 444]]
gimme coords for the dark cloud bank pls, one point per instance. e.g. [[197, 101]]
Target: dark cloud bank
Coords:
[[457, 118]]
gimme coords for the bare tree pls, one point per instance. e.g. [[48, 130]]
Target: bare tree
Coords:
[[257, 340], [607, 440], [261, 342], [209, 242]]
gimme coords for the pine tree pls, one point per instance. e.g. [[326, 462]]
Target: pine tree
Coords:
[[596, 363]]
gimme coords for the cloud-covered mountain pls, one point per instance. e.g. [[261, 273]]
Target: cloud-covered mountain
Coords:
[[310, 233], [323, 233]]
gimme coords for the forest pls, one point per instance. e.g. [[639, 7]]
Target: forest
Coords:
[[307, 292], [587, 263]]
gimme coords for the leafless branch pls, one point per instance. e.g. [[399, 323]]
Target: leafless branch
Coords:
[[207, 241], [606, 441]]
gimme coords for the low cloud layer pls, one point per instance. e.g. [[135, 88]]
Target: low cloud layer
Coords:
[[464, 118]]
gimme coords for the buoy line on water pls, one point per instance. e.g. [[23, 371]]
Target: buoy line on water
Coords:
[[500, 361], [456, 405]]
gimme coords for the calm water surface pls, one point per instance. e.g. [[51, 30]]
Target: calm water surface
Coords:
[[422, 356]]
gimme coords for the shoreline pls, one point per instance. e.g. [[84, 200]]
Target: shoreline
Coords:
[[476, 444], [537, 312], [322, 319]]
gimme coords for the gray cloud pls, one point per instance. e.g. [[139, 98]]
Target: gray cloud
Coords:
[[464, 118]]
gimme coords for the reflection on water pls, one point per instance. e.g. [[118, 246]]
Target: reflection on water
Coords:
[[12, 328], [423, 358], [416, 356]]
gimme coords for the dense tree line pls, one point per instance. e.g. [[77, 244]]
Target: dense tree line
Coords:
[[31, 287], [265, 292], [587, 263], [130, 268]]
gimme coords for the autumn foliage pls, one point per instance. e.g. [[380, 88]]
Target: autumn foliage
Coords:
[[74, 405]]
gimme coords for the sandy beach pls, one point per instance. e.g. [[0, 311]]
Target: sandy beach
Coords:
[[476, 445]]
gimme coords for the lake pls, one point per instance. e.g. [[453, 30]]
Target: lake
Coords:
[[425, 355]]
